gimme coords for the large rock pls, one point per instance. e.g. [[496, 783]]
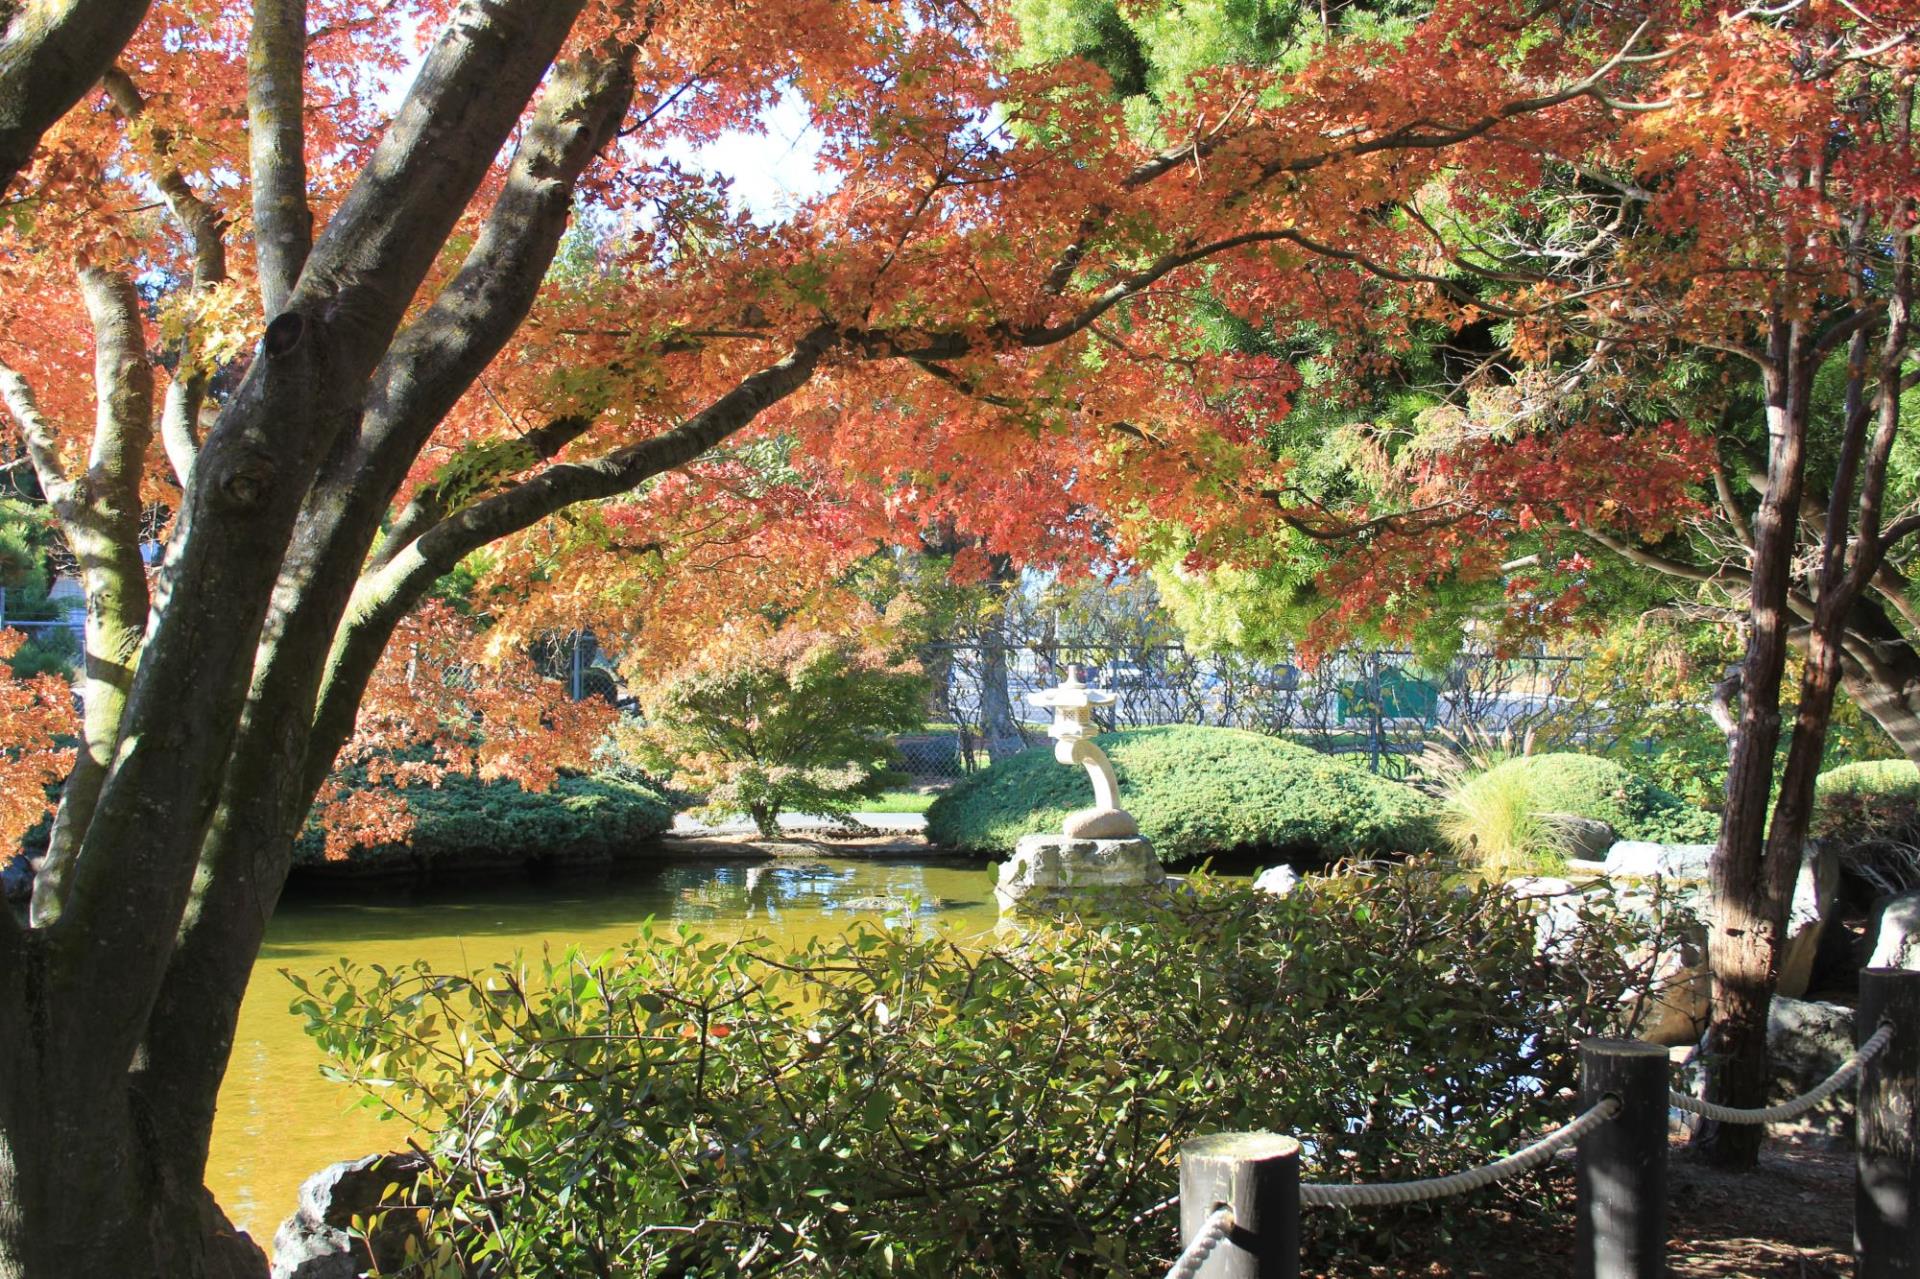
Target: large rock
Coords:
[[1641, 859], [1582, 837], [1680, 999], [1276, 881], [1896, 934], [1049, 870], [1816, 896], [314, 1242], [1806, 1042], [1684, 869]]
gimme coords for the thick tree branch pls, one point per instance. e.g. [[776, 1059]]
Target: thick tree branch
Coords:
[[205, 228], [388, 594], [277, 139], [102, 526], [138, 858], [53, 52], [37, 433]]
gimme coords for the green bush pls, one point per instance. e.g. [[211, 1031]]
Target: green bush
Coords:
[[1589, 786], [1875, 777], [1195, 792], [892, 1103], [765, 721], [1871, 811], [465, 820]]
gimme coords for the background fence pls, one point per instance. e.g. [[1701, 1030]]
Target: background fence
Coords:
[[1378, 703]]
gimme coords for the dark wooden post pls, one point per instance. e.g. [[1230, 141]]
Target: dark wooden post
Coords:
[[1886, 1205], [1621, 1231], [1257, 1174]]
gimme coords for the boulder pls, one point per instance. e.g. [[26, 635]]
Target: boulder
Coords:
[[1806, 1042], [314, 1242], [1045, 869], [1531, 887], [1276, 881], [1896, 934], [1641, 859], [1815, 895], [1680, 999], [1582, 837]]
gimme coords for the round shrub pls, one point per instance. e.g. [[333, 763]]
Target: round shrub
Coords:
[[1195, 792], [466, 822], [1596, 788], [1871, 812], [1873, 777]]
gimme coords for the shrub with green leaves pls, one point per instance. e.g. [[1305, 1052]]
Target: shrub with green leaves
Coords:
[[1871, 811], [1196, 792], [465, 821], [768, 721], [1593, 787], [893, 1102]]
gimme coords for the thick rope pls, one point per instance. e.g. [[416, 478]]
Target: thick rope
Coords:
[[1799, 1105], [1212, 1231], [1388, 1193]]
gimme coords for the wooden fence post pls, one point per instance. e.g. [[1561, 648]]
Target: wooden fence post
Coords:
[[1886, 1211], [1257, 1174], [1621, 1229]]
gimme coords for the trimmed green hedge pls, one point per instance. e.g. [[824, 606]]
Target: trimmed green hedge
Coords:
[[1196, 792], [465, 822], [1589, 786], [1874, 777]]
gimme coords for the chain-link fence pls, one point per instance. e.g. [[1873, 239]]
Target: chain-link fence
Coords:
[[1378, 703]]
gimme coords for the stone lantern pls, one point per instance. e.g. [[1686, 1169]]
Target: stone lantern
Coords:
[[1100, 849]]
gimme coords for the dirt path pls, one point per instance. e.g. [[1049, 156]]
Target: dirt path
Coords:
[[1792, 1219]]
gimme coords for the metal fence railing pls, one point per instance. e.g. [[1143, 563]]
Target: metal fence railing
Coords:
[[1381, 704]]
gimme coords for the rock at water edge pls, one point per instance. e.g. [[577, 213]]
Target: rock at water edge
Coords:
[[314, 1244]]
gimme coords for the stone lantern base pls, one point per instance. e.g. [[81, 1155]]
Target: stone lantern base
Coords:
[[1048, 871]]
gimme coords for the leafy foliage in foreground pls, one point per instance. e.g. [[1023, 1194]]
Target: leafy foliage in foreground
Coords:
[[1196, 791], [1589, 786], [579, 818], [889, 1102]]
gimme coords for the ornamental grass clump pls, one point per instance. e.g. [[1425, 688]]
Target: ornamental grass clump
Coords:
[[768, 720], [1493, 822], [894, 1102]]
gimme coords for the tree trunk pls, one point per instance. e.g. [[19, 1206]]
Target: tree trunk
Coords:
[[1740, 940], [85, 1187]]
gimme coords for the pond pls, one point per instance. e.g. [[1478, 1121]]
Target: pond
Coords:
[[280, 1121]]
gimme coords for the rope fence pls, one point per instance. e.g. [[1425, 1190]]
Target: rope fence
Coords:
[[1251, 1180], [1219, 1222], [1388, 1194], [1799, 1105]]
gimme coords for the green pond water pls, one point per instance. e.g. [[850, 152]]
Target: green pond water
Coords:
[[280, 1121]]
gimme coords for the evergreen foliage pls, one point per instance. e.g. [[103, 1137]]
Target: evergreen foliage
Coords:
[[1196, 792], [1593, 787], [464, 820]]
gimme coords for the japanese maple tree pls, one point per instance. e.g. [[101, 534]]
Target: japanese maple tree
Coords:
[[336, 341]]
